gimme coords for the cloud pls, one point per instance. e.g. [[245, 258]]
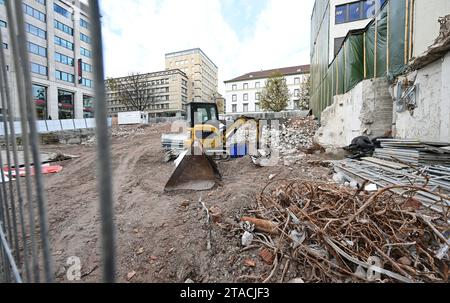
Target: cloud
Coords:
[[137, 34]]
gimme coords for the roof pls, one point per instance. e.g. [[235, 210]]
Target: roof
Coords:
[[285, 71], [190, 51]]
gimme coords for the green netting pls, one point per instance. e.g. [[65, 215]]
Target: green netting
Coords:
[[370, 51], [330, 93], [397, 17], [381, 41], [354, 65], [341, 72], [377, 51]]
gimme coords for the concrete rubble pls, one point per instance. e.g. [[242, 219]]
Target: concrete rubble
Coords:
[[293, 140]]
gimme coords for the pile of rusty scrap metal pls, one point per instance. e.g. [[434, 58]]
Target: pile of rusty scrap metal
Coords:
[[330, 233]]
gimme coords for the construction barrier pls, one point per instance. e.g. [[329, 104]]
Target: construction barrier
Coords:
[[50, 126]]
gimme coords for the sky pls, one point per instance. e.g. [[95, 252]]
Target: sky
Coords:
[[239, 36]]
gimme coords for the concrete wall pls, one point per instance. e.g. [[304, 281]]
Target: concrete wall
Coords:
[[365, 110], [430, 121], [426, 26]]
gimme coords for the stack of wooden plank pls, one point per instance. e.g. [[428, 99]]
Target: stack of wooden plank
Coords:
[[414, 152]]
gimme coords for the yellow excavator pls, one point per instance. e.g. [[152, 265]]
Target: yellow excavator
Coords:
[[206, 141]]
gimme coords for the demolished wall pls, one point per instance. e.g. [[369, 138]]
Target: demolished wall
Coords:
[[430, 119], [365, 110]]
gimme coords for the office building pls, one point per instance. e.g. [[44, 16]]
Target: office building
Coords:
[[165, 92], [201, 71], [59, 46]]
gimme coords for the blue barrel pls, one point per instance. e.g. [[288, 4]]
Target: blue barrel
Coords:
[[239, 150]]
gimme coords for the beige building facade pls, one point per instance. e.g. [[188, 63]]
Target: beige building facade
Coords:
[[168, 91], [201, 71]]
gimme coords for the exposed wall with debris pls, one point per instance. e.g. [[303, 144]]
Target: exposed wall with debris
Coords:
[[365, 110], [426, 27], [428, 117]]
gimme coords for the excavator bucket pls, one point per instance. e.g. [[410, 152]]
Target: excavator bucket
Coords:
[[194, 171]]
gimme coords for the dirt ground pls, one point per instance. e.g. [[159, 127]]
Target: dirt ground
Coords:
[[159, 237]]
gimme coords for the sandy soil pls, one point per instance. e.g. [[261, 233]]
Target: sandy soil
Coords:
[[161, 237]]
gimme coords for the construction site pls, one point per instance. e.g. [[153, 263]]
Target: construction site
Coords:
[[355, 188]]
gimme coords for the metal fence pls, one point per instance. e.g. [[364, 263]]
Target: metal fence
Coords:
[[51, 126], [24, 236]]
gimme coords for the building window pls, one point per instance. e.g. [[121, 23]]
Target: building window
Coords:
[[3, 23], [245, 86], [84, 23], [62, 27], [297, 81], [41, 2], [257, 107], [66, 77], [341, 14], [36, 31], [85, 52], [4, 45], [60, 10], [258, 96], [66, 108], [88, 107], [86, 67], [359, 10], [37, 50], [234, 98], [34, 12], [39, 69], [258, 85], [234, 87], [371, 8], [85, 38], [245, 108], [86, 82], [296, 93], [64, 43], [355, 11], [245, 97], [234, 108], [64, 59], [40, 101]]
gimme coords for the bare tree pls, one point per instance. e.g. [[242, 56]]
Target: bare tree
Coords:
[[135, 92]]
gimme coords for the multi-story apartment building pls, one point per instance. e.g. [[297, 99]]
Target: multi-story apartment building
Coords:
[[168, 94], [243, 93], [201, 71], [59, 45]]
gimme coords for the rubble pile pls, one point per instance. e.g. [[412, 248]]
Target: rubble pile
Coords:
[[294, 139], [126, 131], [324, 233]]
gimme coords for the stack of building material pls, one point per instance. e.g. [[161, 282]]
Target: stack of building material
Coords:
[[414, 152], [428, 184]]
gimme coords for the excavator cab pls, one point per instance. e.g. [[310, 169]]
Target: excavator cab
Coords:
[[203, 119], [195, 170]]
